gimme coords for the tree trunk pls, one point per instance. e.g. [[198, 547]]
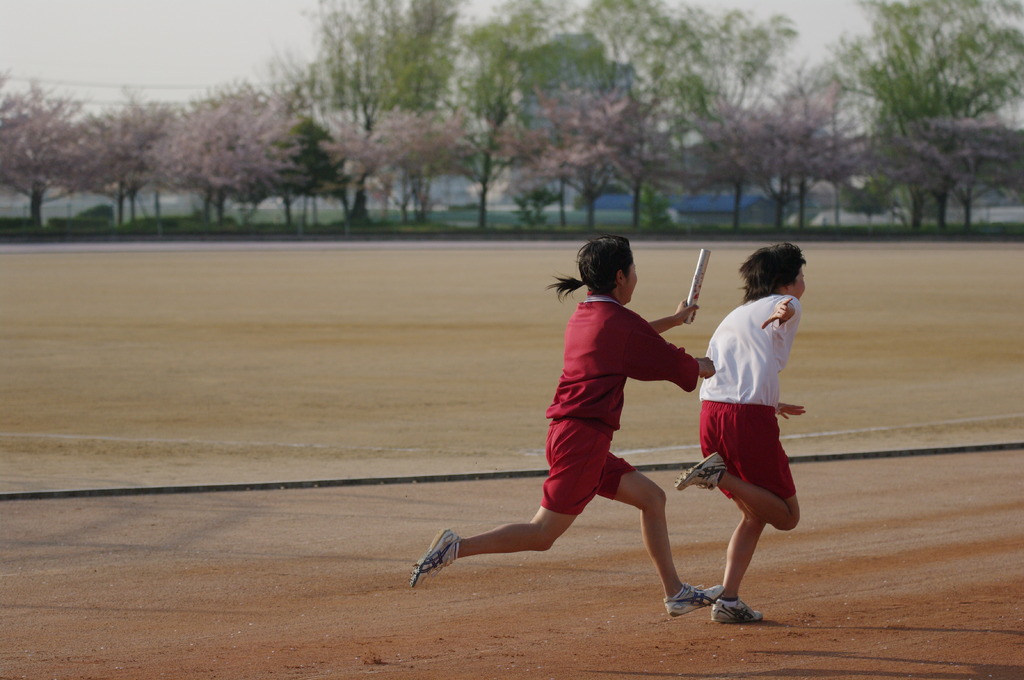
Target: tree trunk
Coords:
[[737, 200], [967, 198], [916, 208], [421, 196], [481, 218], [802, 196], [561, 202], [485, 184], [360, 210], [219, 202], [156, 211], [637, 189], [836, 207], [120, 205], [36, 206], [207, 207], [941, 201]]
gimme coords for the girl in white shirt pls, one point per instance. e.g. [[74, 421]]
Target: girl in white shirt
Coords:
[[739, 431]]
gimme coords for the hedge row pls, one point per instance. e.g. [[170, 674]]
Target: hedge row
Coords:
[[179, 228]]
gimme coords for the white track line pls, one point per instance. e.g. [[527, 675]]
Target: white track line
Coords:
[[534, 452], [833, 433]]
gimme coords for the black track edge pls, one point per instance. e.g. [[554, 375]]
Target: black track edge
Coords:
[[461, 477]]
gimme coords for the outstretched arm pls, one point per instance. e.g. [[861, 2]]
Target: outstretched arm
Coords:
[[683, 312], [782, 313]]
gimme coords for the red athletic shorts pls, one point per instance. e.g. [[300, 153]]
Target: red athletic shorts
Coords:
[[582, 466], [747, 437]]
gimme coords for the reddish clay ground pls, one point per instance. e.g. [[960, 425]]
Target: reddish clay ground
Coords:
[[902, 568]]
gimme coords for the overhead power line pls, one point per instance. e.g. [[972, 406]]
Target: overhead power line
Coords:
[[111, 86]]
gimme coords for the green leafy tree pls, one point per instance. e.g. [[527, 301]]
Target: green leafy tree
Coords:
[[422, 58], [654, 208], [490, 86], [379, 55], [641, 33], [687, 65], [532, 204], [312, 171], [935, 59]]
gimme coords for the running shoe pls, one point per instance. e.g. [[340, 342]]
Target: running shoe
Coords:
[[734, 613], [690, 598], [442, 552], [705, 474]]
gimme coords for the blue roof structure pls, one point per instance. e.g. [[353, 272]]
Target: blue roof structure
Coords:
[[703, 203], [711, 203], [614, 202]]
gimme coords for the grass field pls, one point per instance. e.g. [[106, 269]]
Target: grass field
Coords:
[[149, 365]]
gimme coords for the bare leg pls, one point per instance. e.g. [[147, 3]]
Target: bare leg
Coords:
[[639, 491], [538, 534], [741, 550], [783, 514]]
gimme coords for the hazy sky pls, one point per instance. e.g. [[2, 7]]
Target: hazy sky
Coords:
[[175, 51]]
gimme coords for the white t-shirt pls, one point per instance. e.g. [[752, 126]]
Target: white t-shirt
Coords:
[[748, 358]]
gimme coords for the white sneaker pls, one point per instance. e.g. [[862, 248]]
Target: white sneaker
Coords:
[[737, 613], [442, 552], [690, 598], [705, 474]]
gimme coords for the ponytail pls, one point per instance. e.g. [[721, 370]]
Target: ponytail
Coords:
[[599, 260], [565, 286]]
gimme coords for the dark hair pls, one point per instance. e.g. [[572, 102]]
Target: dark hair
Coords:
[[598, 261], [770, 268]]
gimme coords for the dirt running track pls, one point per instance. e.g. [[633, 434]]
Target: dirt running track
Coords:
[[902, 568], [163, 367]]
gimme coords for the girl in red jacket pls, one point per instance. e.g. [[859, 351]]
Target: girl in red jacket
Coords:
[[605, 343]]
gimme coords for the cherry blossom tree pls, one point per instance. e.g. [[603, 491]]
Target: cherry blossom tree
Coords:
[[987, 154], [530, 180], [360, 163], [230, 147], [955, 158], [122, 158], [842, 151], [824, 146], [41, 146], [648, 157], [723, 156], [587, 133], [419, 147], [783, 147]]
